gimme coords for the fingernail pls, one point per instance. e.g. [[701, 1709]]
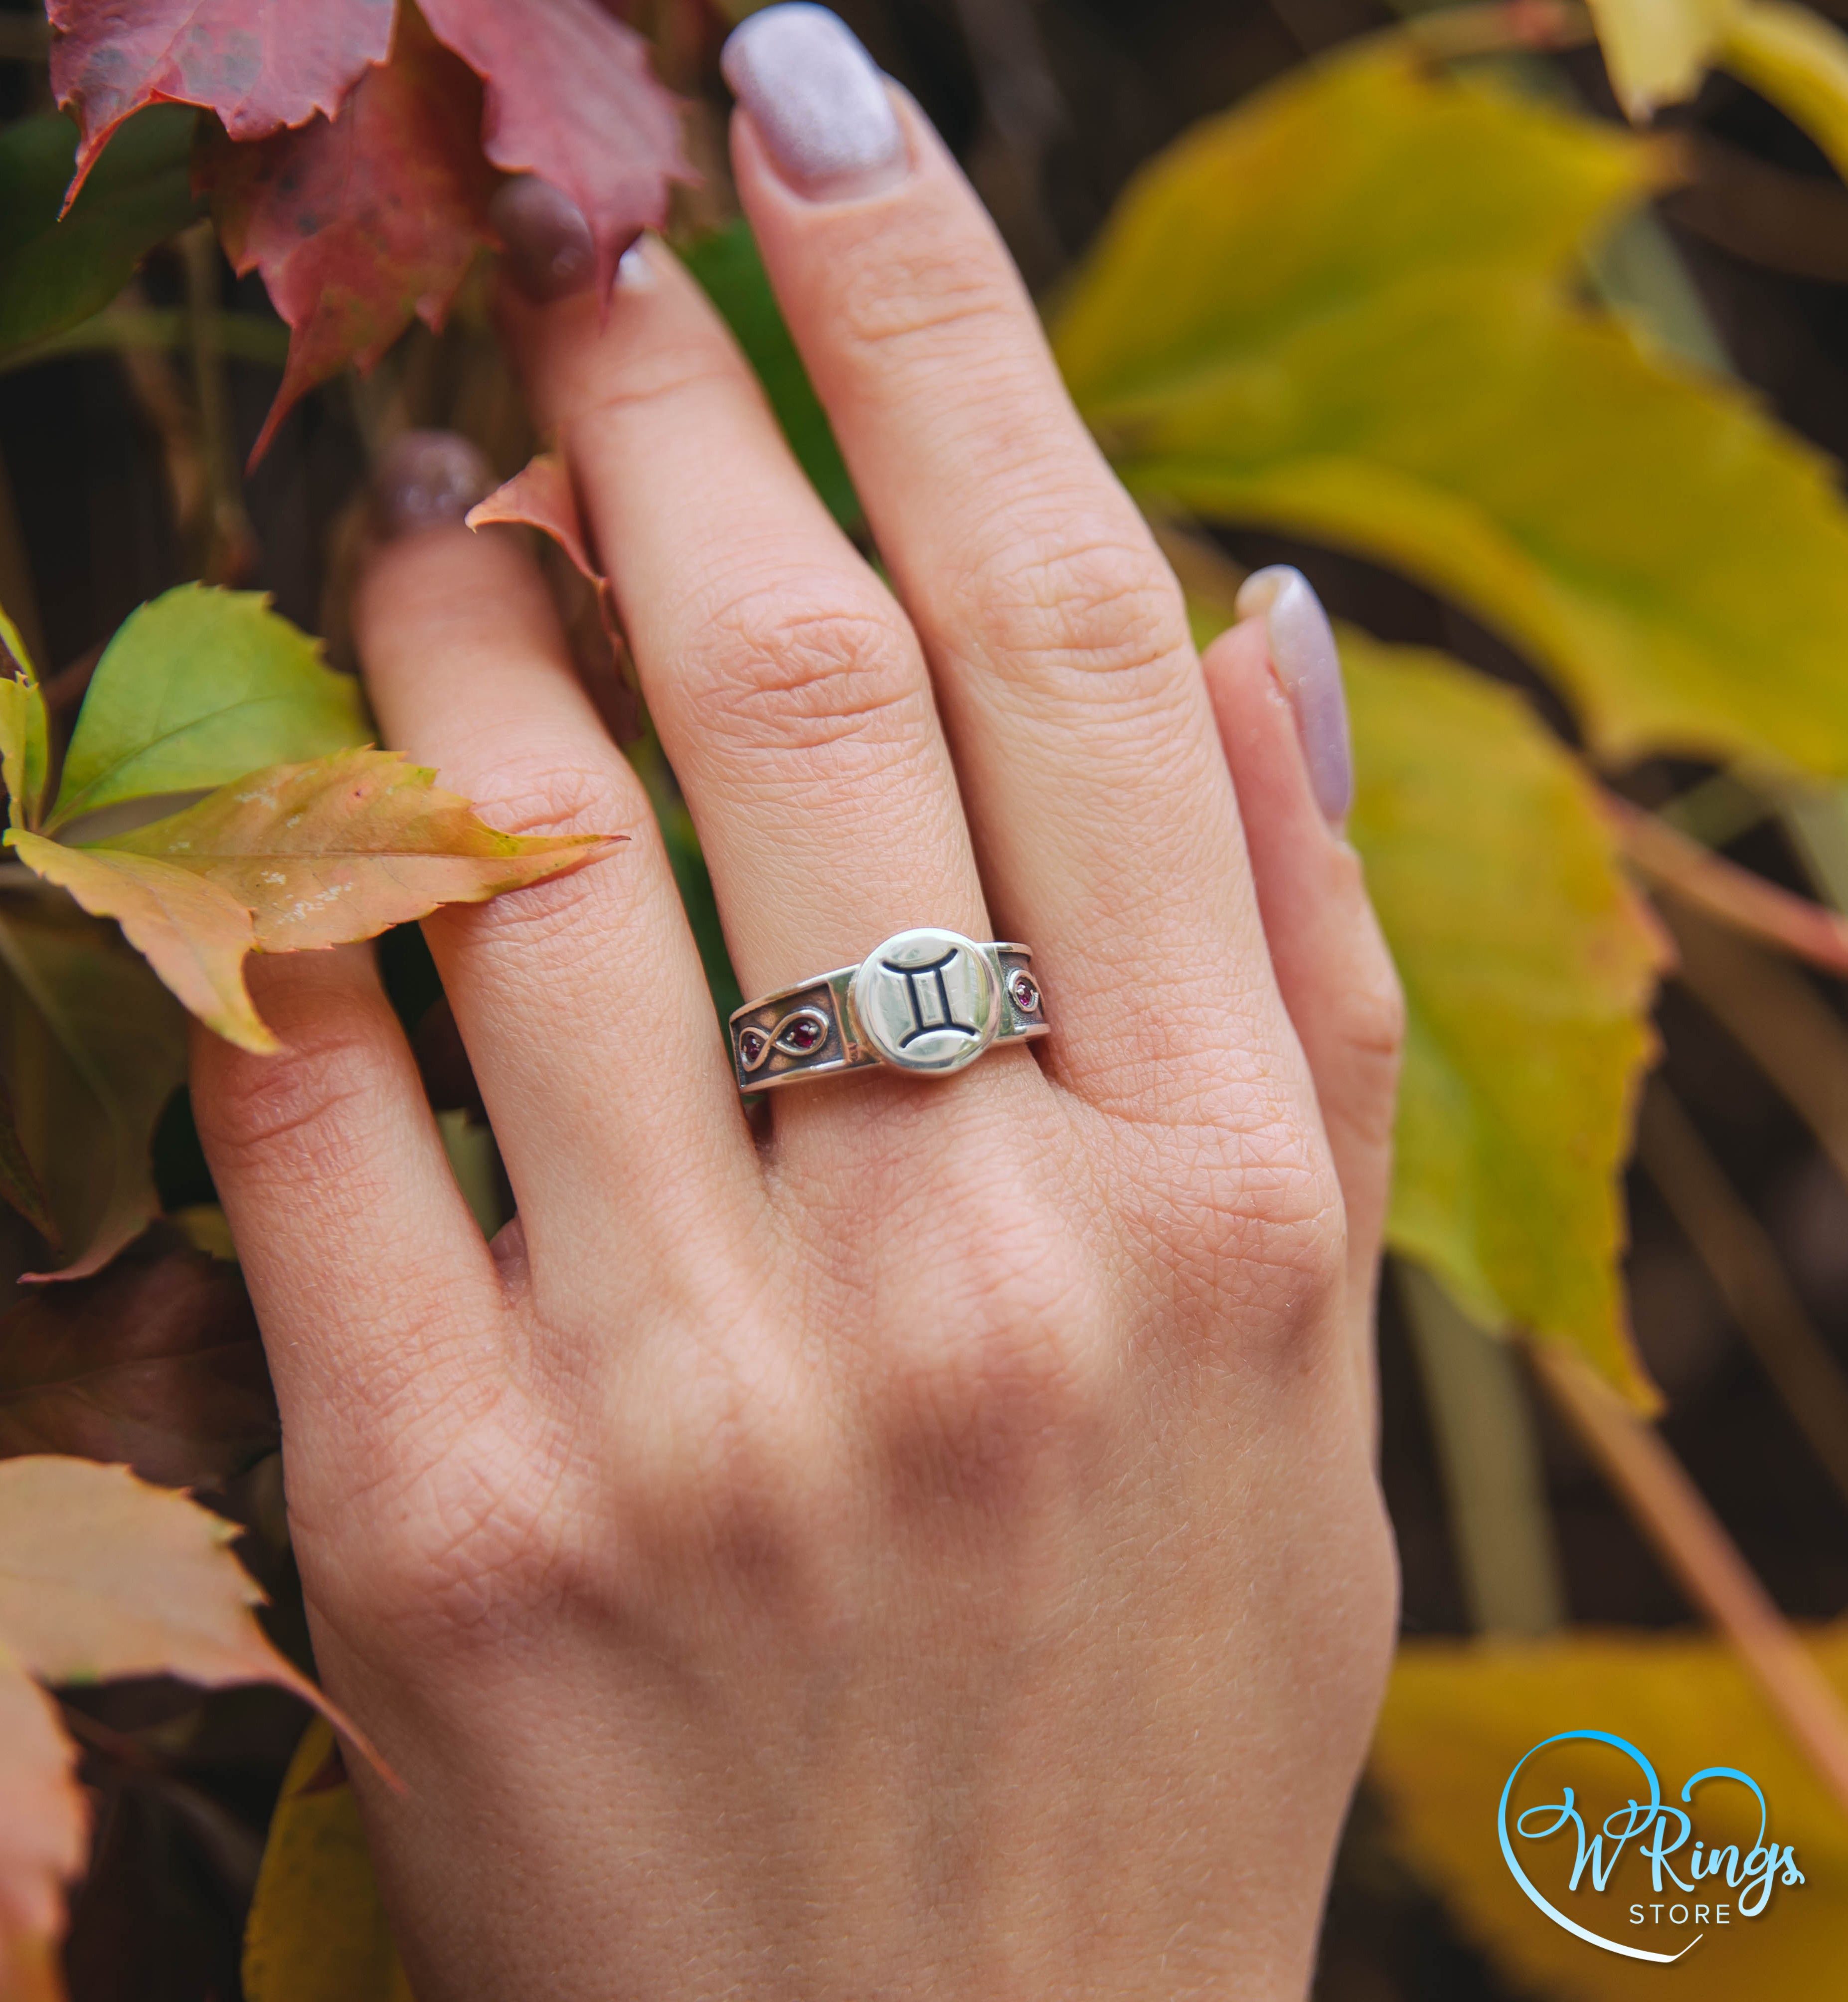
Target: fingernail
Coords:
[[546, 241], [818, 99], [1302, 651], [428, 480]]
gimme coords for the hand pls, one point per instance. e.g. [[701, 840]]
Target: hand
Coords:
[[929, 1545]]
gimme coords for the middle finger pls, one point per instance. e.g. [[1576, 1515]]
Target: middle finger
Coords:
[[790, 693]]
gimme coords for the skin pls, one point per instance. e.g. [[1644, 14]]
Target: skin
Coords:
[[930, 1546]]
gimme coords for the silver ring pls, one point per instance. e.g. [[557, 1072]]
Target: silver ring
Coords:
[[928, 1002]]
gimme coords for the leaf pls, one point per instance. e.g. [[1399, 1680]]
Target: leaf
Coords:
[[54, 274], [102, 1576], [317, 1931], [541, 495], [571, 98], [25, 735], [1260, 338], [196, 688], [1459, 1715], [44, 1836], [101, 1047], [727, 265], [19, 1184], [1798, 61], [1528, 965], [326, 852], [359, 226], [1657, 50], [260, 65], [194, 934], [156, 1362]]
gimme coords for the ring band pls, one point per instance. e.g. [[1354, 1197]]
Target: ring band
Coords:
[[928, 1002]]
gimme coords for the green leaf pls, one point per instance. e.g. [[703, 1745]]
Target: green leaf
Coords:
[[727, 265], [1458, 1716], [25, 736], [197, 688], [53, 274], [317, 1931], [99, 1047], [19, 1184], [1263, 338], [1528, 965], [1799, 62]]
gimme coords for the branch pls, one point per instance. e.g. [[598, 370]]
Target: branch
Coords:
[[1733, 895], [1691, 1541]]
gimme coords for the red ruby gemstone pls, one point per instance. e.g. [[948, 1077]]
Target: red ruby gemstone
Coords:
[[805, 1036]]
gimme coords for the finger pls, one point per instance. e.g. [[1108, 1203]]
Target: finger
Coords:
[[580, 1000], [1056, 634], [789, 690], [1275, 684], [362, 1258]]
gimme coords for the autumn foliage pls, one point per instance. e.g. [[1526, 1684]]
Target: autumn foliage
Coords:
[[1368, 308]]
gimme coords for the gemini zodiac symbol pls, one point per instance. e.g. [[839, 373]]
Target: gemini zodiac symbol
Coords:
[[931, 1006]]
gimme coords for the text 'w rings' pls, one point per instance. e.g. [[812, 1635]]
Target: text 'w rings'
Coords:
[[927, 1001]]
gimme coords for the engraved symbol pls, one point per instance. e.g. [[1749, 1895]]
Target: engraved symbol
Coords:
[[931, 1006], [1023, 991], [800, 1034]]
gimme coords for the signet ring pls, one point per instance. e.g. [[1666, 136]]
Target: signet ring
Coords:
[[927, 1002]]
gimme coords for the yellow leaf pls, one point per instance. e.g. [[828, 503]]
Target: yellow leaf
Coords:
[[1527, 964], [322, 853], [1657, 50], [1343, 311], [1458, 1716], [193, 934], [44, 1834], [1799, 62], [317, 1931], [102, 1574]]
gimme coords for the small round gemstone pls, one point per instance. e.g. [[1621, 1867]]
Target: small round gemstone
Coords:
[[804, 1035], [1022, 990], [751, 1044]]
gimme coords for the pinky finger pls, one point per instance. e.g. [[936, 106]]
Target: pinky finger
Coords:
[[1274, 681], [364, 1262]]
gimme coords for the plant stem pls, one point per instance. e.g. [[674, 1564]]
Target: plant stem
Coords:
[[1723, 890], [1744, 1265], [242, 337], [229, 551], [1670, 1512], [1489, 1453]]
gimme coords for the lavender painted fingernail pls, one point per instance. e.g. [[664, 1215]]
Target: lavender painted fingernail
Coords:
[[428, 480], [547, 243], [818, 99], [1302, 651]]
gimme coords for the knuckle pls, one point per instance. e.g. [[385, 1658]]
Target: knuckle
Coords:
[[290, 1113], [779, 674], [929, 295], [991, 1406], [552, 789], [1074, 608]]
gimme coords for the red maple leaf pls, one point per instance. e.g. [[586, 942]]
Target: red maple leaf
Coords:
[[260, 65], [571, 98], [358, 224]]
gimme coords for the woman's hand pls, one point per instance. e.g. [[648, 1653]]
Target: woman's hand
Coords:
[[928, 1547]]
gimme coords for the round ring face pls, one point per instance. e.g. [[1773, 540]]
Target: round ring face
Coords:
[[925, 1001]]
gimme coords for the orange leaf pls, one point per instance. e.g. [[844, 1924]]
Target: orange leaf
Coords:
[[102, 1574], [339, 848], [192, 933], [44, 1832]]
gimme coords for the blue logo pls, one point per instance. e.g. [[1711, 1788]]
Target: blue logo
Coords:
[[1694, 1881]]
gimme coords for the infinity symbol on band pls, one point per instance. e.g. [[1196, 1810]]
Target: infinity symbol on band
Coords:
[[800, 1034]]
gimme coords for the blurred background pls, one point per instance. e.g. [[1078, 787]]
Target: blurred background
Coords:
[[1510, 1528]]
